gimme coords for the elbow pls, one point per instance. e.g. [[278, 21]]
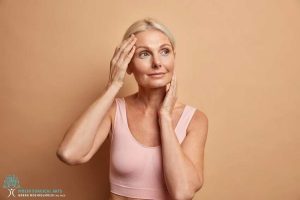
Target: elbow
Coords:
[[188, 194], [184, 196], [67, 158]]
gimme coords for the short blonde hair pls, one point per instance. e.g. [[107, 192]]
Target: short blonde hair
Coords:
[[148, 24]]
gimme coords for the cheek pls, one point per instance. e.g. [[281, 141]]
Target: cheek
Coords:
[[140, 65], [168, 63]]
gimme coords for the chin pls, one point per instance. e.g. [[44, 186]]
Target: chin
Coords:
[[157, 86], [157, 82]]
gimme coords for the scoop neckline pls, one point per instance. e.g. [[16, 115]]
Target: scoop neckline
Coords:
[[131, 135]]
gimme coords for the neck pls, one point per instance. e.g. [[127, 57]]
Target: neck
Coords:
[[150, 99]]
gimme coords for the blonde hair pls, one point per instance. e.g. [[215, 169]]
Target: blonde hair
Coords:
[[148, 24]]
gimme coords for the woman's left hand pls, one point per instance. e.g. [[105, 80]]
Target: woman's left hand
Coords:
[[170, 99]]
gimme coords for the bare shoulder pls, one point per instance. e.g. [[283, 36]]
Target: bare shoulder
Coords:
[[198, 122], [199, 117], [113, 107]]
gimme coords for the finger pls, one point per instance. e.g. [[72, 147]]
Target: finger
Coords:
[[112, 63], [172, 81], [168, 86], [125, 62], [173, 85], [127, 50], [116, 50], [120, 49], [129, 56], [124, 42], [116, 55]]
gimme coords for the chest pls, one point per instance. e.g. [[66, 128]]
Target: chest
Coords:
[[145, 127]]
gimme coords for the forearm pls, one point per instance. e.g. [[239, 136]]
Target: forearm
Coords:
[[180, 174], [79, 138]]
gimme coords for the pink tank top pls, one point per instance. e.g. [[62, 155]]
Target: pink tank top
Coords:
[[136, 170]]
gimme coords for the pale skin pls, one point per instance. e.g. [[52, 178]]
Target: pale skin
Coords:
[[157, 108]]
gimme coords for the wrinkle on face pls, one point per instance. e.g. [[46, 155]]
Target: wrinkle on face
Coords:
[[153, 48], [151, 40]]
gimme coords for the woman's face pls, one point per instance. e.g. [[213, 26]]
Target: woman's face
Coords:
[[153, 61]]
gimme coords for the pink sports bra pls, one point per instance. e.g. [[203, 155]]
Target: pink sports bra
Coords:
[[136, 170]]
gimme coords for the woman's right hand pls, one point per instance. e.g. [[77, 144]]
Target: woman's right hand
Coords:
[[120, 60]]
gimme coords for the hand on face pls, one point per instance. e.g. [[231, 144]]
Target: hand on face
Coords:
[[120, 60], [170, 98]]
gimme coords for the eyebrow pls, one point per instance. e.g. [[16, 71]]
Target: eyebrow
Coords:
[[148, 47]]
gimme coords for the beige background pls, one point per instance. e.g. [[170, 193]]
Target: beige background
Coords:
[[237, 61]]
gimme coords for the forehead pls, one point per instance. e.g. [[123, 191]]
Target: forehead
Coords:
[[151, 38]]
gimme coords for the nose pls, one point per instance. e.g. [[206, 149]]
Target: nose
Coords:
[[156, 62]]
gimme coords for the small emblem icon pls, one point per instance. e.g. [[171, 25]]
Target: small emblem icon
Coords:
[[11, 182]]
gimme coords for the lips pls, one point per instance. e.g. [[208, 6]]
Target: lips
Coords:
[[157, 73]]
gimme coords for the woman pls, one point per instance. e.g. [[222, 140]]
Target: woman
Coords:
[[157, 142]]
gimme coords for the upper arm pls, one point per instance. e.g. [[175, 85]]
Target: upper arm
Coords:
[[194, 143], [103, 131]]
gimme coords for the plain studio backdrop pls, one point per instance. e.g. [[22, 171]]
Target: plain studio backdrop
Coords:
[[238, 61]]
